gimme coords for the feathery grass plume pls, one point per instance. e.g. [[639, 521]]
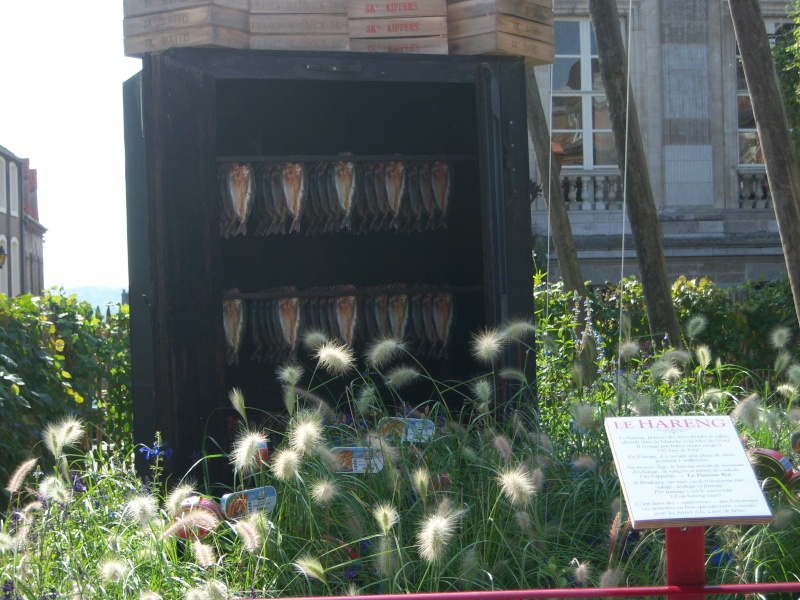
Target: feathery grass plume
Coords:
[[503, 446], [113, 570], [794, 415], [335, 358], [196, 593], [386, 516], [310, 567], [782, 518], [523, 521], [541, 440], [149, 595], [517, 485], [289, 399], [482, 390], [324, 491], [518, 330], [576, 374], [468, 568], [313, 339], [204, 554], [305, 432], [352, 590], [695, 326], [436, 531], [250, 536], [793, 373], [178, 494], [420, 480], [642, 405], [780, 337], [782, 360], [379, 443], [712, 396], [365, 398], [65, 432], [382, 352], [584, 463], [677, 357], [487, 346], [245, 455], [285, 463], [236, 398], [537, 478], [628, 349], [583, 413], [748, 411], [141, 509], [6, 542], [319, 404], [611, 577], [19, 475], [191, 521], [33, 506], [290, 374], [703, 355], [328, 457], [52, 489], [664, 368], [386, 561], [580, 571], [786, 390], [470, 456], [217, 590], [402, 376], [510, 374]]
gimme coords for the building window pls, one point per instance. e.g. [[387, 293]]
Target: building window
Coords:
[[749, 145], [4, 270], [580, 119], [3, 202], [13, 179], [16, 267]]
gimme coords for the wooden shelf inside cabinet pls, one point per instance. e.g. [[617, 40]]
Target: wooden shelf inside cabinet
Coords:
[[222, 160], [362, 291]]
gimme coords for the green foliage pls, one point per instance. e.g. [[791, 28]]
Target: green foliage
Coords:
[[57, 356], [786, 54]]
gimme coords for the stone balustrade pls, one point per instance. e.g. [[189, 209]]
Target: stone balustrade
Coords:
[[754, 188]]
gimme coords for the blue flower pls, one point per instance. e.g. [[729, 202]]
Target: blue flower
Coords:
[[156, 451]]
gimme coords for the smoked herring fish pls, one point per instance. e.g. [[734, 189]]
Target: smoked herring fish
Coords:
[[293, 182]]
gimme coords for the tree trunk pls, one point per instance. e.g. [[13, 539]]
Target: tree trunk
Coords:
[[780, 157], [551, 184], [631, 157]]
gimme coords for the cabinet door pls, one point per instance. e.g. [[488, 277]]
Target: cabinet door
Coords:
[[182, 376]]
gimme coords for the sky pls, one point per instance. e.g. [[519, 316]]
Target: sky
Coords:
[[62, 66]]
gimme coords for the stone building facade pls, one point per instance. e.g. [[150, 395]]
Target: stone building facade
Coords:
[[21, 233], [705, 164]]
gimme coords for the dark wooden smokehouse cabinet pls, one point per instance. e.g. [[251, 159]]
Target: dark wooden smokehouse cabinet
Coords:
[[191, 113]]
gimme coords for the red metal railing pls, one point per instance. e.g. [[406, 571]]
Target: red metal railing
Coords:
[[685, 566]]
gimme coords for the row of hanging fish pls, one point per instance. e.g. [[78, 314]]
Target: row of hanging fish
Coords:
[[424, 319], [332, 196]]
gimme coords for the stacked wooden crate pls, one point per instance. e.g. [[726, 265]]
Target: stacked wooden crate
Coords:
[[517, 27], [406, 26], [298, 25], [153, 25]]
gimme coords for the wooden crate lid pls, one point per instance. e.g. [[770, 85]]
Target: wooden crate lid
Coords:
[[207, 36], [371, 9], [518, 8], [402, 27], [133, 8], [298, 6], [325, 42], [190, 17], [299, 24], [420, 45], [535, 52], [500, 22]]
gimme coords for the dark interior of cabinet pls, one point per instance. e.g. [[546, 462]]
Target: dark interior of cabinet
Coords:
[[318, 120]]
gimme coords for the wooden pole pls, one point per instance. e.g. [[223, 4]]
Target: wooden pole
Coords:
[[780, 157], [639, 194], [551, 185]]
